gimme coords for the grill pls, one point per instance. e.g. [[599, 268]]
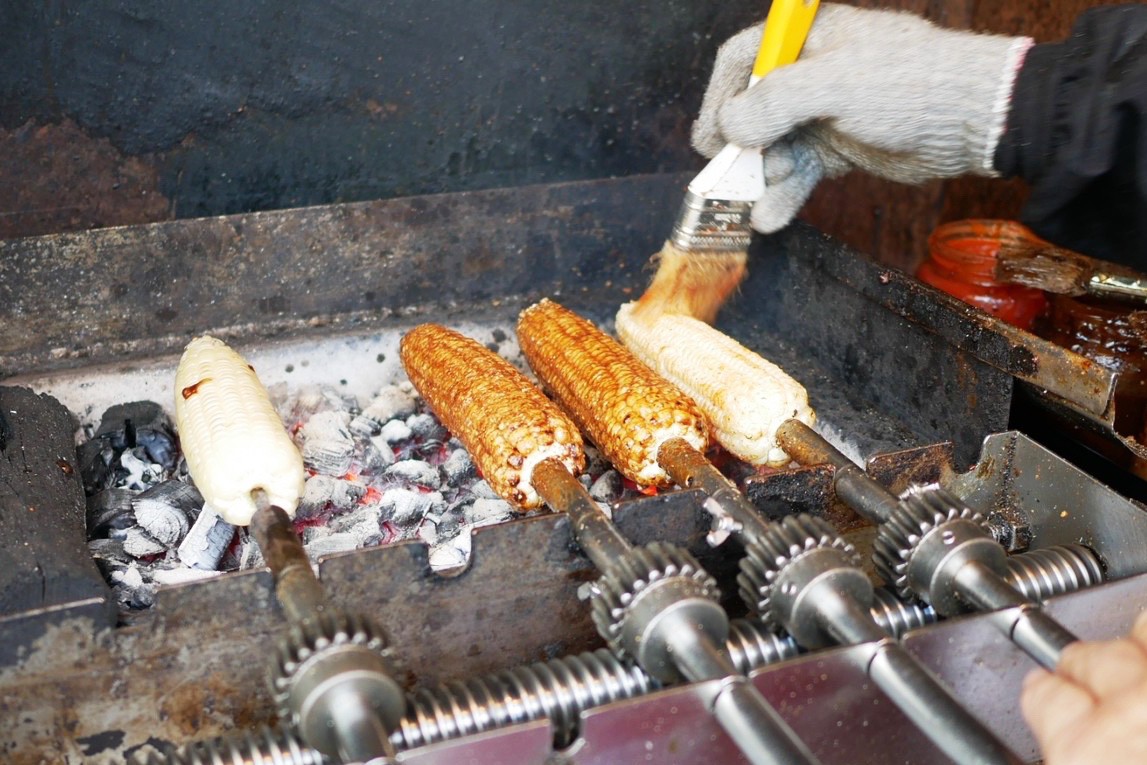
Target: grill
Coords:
[[912, 384]]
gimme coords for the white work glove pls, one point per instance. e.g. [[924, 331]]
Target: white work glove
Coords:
[[886, 92]]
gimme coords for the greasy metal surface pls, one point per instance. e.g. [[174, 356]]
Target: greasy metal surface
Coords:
[[1061, 504]]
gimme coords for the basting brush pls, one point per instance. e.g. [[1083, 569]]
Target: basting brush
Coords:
[[1064, 272], [704, 259]]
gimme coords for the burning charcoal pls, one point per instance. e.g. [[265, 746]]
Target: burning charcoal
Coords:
[[322, 491], [458, 467], [361, 513], [394, 431], [95, 458], [483, 490], [109, 551], [608, 487], [596, 463], [486, 512], [181, 575], [367, 531], [332, 544], [450, 554], [427, 428], [392, 402], [205, 543], [165, 510], [314, 533], [110, 510], [376, 456], [139, 544], [416, 472], [143, 424], [131, 589], [250, 556], [404, 506], [136, 471], [327, 444]]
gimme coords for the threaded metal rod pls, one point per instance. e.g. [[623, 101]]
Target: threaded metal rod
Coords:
[[265, 746]]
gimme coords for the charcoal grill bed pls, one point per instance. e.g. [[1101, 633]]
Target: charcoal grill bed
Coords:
[[902, 378]]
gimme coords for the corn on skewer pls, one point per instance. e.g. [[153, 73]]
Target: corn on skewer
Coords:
[[621, 405], [232, 437], [744, 397], [502, 419]]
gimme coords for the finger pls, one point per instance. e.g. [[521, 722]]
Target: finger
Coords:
[[783, 200], [780, 161], [782, 101], [731, 71], [1104, 667], [1052, 705]]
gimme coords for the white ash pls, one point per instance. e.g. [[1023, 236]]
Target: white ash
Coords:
[[394, 431], [139, 544], [405, 507], [181, 575], [418, 472], [459, 467], [377, 455], [327, 445], [392, 402], [452, 554], [208, 539], [424, 426], [483, 490], [323, 493], [165, 510], [486, 512], [332, 544], [141, 472], [608, 487]]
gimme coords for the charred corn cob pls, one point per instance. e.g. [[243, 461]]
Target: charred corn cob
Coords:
[[233, 439], [505, 422], [620, 404], [745, 397]]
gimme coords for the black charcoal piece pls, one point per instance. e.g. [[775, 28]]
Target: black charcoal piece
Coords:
[[166, 509], [140, 423], [417, 472], [42, 507], [208, 539], [109, 510], [458, 467]]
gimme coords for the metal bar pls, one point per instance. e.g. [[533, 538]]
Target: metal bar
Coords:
[[593, 531], [296, 586]]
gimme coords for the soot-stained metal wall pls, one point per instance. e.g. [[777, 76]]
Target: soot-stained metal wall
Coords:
[[126, 112]]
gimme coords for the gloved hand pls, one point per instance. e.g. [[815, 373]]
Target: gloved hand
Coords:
[[886, 92], [1093, 709]]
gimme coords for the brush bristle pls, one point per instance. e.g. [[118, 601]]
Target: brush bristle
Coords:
[[692, 283], [1048, 269]]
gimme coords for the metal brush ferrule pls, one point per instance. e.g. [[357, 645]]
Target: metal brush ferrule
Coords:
[[1114, 285], [712, 224]]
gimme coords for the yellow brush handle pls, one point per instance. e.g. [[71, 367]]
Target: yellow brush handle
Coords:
[[786, 28]]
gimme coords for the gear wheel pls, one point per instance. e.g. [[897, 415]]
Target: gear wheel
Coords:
[[634, 574], [920, 512], [321, 662], [785, 543]]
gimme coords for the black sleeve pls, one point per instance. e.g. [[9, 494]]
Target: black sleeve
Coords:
[[1077, 133]]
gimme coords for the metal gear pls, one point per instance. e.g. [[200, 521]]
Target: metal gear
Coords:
[[635, 574], [922, 511], [785, 543], [315, 651]]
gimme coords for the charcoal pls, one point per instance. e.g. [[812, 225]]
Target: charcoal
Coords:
[[595, 462], [109, 510], [395, 431], [139, 544], [482, 490], [608, 487], [332, 544], [486, 512], [392, 402], [404, 506], [250, 556], [459, 467], [140, 424], [170, 576], [376, 456], [205, 543], [95, 458], [368, 513], [367, 531], [313, 533], [323, 492], [450, 554], [416, 472], [109, 551], [327, 444], [427, 428], [165, 510], [137, 472]]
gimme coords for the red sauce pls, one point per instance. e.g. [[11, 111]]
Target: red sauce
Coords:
[[962, 262], [191, 390]]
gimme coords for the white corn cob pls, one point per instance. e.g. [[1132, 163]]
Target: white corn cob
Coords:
[[744, 397], [234, 441]]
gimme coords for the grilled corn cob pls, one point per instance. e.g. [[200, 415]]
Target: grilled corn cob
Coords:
[[744, 397], [233, 439], [620, 404], [505, 422]]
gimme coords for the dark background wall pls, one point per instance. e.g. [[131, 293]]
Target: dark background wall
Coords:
[[115, 112]]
